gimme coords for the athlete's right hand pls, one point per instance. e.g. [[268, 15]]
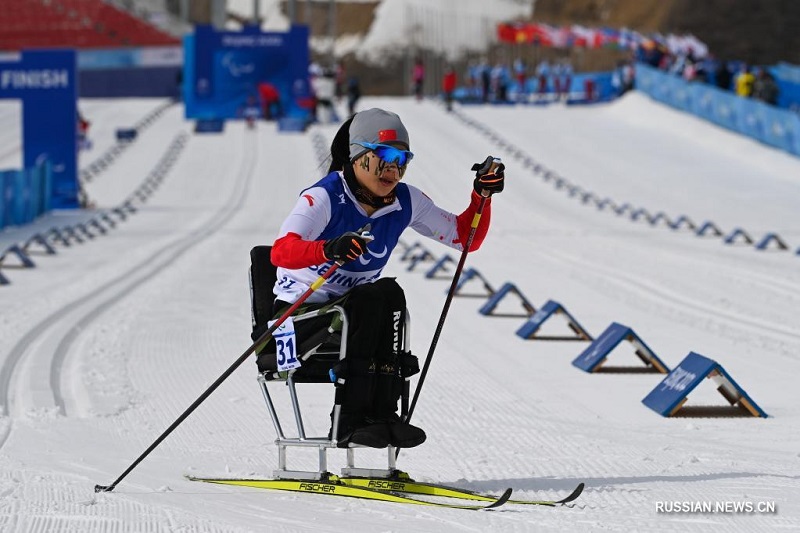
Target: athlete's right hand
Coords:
[[348, 247]]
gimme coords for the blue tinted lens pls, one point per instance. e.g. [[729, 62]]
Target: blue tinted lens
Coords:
[[390, 154]]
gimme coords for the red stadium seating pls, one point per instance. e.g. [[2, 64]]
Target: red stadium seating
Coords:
[[74, 24]]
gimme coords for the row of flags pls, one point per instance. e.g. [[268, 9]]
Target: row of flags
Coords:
[[577, 36]]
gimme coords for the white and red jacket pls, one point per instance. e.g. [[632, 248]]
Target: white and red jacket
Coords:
[[328, 209]]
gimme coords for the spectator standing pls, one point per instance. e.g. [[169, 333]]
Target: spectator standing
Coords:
[[520, 75], [486, 80], [765, 88], [84, 143], [499, 80], [418, 77], [449, 86], [270, 101], [542, 76], [340, 80], [562, 76], [744, 82], [353, 94], [722, 76], [325, 90], [251, 112]]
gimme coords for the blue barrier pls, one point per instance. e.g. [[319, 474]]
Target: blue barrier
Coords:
[[669, 396], [734, 235], [763, 244], [708, 226], [591, 359], [24, 194], [209, 125], [550, 308], [769, 124], [468, 275], [490, 305], [441, 264]]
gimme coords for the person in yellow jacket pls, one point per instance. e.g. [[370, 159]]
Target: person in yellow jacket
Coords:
[[744, 82]]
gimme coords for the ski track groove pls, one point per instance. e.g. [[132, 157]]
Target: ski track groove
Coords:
[[140, 273]]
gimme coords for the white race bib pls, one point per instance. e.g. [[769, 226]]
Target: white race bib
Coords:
[[285, 345]]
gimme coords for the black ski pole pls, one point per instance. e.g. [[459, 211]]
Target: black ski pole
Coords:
[[262, 339], [473, 228]]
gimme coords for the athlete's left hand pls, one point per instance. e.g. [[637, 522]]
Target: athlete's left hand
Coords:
[[489, 176]]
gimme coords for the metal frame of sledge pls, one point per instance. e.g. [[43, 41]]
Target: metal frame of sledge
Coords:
[[331, 347]]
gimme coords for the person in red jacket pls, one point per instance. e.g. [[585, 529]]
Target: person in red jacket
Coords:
[[449, 86], [270, 101]]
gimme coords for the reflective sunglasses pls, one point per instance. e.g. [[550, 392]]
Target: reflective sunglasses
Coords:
[[389, 154]]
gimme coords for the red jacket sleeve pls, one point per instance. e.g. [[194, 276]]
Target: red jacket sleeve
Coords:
[[464, 221], [290, 251]]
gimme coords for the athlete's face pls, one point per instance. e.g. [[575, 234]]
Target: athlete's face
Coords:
[[376, 175]]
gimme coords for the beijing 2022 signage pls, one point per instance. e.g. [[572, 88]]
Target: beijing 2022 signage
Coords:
[[223, 69]]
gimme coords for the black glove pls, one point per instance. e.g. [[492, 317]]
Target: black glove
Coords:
[[345, 248], [489, 176]]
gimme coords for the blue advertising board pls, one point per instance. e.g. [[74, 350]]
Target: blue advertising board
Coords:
[[223, 69], [766, 123], [46, 83], [669, 395]]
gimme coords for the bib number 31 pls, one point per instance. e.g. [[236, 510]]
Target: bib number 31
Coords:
[[286, 345]]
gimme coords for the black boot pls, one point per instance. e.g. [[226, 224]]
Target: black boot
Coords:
[[404, 435], [372, 436], [359, 431], [399, 434]]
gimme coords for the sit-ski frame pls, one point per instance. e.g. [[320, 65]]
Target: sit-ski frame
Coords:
[[322, 443]]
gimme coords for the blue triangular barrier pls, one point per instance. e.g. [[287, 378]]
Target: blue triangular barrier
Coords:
[[658, 217], [763, 244], [41, 241], [594, 356], [529, 328], [640, 213], [606, 202], [16, 251], [468, 275], [668, 398], [441, 264], [707, 226], [508, 287], [623, 208], [682, 221], [736, 233], [422, 255], [408, 251], [415, 254]]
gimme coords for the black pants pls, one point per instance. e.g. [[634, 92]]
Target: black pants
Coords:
[[371, 369]]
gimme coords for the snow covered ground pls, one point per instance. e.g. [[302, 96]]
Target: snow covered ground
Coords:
[[103, 345]]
